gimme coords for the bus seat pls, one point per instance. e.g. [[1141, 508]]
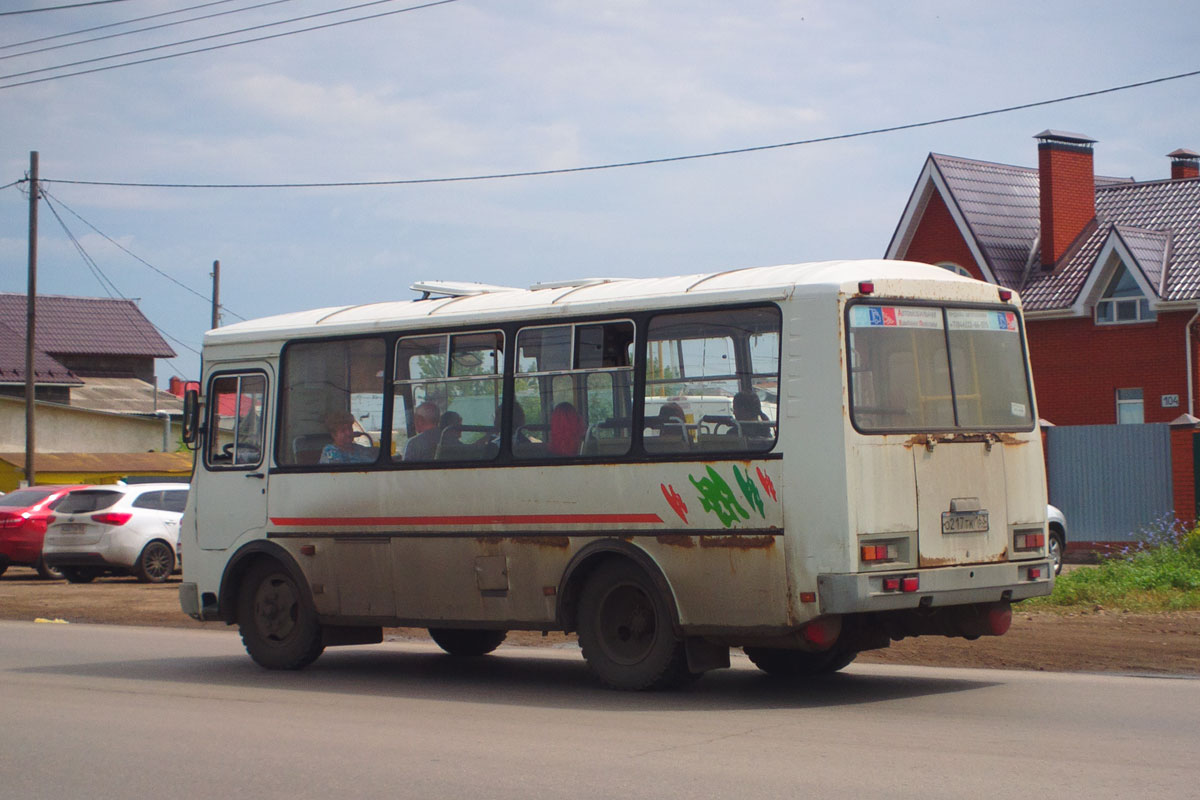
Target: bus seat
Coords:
[[720, 442], [307, 447], [606, 447]]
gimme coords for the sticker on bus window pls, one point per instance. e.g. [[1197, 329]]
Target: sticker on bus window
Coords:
[[1017, 409], [863, 316], [961, 319]]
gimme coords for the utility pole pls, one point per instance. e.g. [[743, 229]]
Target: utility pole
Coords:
[[30, 318], [216, 300]]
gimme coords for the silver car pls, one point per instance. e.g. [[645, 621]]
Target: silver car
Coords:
[[124, 529], [1056, 541]]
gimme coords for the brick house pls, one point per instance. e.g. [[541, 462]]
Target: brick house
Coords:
[[1108, 270]]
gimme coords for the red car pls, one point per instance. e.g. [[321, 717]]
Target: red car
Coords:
[[23, 515]]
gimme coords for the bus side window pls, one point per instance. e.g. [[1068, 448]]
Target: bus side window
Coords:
[[712, 381], [574, 388], [447, 396], [236, 409], [323, 381]]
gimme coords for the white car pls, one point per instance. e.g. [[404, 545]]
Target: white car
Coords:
[[125, 529], [1056, 541]]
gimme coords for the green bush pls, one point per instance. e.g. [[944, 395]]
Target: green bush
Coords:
[[1159, 572]]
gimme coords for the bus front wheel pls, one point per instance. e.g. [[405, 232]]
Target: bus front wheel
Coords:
[[463, 642], [799, 663], [279, 629], [626, 631]]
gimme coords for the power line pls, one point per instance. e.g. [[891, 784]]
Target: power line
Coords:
[[642, 162], [131, 254], [14, 183], [213, 47], [141, 30], [113, 24], [105, 282], [59, 8]]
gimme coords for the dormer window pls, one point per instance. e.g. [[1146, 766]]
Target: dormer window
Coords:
[[1123, 301], [955, 268]]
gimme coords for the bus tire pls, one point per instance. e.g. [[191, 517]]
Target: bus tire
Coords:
[[799, 663], [279, 628], [466, 643], [626, 631]]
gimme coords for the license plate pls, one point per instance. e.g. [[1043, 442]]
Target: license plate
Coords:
[[964, 522], [71, 527]]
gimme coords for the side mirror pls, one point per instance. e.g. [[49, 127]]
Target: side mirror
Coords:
[[191, 416]]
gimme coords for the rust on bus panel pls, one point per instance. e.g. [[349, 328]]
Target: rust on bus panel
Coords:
[[739, 542], [925, 439], [676, 540], [924, 561], [561, 542]]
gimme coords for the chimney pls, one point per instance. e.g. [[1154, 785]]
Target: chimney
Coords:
[[1184, 164], [1067, 184], [175, 386]]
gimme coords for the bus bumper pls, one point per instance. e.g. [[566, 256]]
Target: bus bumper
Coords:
[[862, 592]]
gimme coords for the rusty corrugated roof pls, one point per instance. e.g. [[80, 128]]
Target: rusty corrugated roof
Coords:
[[103, 462]]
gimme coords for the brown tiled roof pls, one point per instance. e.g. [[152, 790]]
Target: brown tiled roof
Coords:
[[86, 326], [1157, 221], [12, 361]]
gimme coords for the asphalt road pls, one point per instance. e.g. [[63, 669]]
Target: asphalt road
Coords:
[[109, 711]]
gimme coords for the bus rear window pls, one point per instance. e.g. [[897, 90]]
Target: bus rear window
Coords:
[[920, 368]]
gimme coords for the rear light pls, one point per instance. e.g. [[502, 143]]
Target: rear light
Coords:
[[901, 583], [1029, 541], [878, 552], [866, 287], [50, 518], [1005, 295], [1035, 573], [10, 521], [112, 518]]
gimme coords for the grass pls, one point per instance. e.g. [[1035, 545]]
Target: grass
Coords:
[[1160, 572]]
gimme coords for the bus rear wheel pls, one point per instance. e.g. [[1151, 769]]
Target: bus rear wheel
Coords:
[[799, 663], [279, 628], [626, 631], [463, 642]]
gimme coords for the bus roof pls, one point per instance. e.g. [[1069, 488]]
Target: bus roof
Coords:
[[463, 302]]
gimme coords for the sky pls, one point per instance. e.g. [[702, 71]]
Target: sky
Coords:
[[481, 87]]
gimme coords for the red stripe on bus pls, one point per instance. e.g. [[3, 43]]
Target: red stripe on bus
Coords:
[[481, 519]]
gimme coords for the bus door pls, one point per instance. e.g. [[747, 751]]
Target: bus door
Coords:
[[232, 486]]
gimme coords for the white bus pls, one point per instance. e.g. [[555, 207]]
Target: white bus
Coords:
[[486, 459]]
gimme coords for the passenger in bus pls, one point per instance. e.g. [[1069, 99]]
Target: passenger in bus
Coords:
[[566, 431], [672, 424], [343, 450], [747, 407], [450, 428], [423, 446], [752, 422]]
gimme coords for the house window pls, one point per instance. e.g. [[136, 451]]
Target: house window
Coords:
[[955, 268], [1123, 301], [1130, 408]]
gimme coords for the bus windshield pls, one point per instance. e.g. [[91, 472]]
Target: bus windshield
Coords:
[[937, 369]]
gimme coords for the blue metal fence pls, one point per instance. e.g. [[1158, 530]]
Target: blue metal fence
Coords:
[[1110, 481]]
